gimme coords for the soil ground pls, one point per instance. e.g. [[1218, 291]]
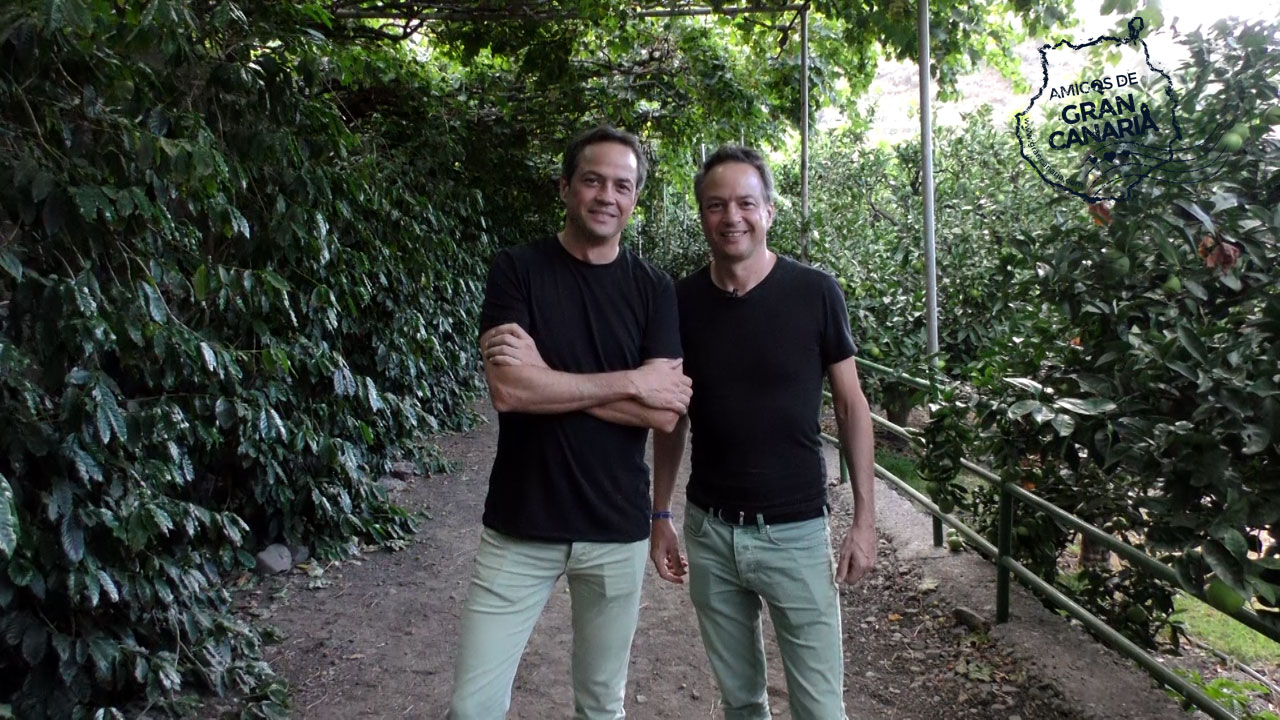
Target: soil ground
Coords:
[[374, 637]]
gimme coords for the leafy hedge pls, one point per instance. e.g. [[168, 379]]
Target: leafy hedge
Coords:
[[1142, 395], [224, 307], [1128, 353]]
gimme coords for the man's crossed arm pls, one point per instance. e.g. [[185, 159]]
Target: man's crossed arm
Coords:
[[653, 395]]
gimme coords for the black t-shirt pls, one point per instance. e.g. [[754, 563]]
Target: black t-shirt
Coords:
[[570, 476], [757, 362]]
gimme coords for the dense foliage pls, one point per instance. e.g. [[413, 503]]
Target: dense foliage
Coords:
[[1149, 402], [1120, 359], [226, 306]]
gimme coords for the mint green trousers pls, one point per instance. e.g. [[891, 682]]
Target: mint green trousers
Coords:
[[512, 581], [732, 568]]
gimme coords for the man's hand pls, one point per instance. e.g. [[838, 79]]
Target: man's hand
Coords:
[[857, 553], [664, 551], [663, 385], [509, 344]]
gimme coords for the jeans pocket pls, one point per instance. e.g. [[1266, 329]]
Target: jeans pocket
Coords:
[[695, 521], [800, 535]]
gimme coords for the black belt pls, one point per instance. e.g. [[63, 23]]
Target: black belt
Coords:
[[730, 516]]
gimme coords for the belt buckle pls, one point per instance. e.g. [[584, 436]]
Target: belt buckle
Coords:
[[728, 521]]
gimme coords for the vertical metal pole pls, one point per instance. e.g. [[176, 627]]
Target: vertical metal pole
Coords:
[[804, 135], [1003, 548], [926, 149]]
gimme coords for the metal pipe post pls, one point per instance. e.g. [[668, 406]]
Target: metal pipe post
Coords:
[[926, 151], [1003, 548]]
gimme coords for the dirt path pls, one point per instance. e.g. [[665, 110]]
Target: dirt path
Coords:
[[374, 637]]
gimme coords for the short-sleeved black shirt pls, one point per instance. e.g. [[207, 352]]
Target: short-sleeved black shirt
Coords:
[[570, 476], [757, 362]]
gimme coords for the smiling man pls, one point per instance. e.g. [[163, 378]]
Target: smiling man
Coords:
[[581, 352], [759, 331]]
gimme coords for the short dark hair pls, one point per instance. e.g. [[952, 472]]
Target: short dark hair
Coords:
[[734, 153], [602, 134]]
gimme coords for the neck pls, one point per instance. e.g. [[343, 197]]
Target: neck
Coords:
[[588, 250], [741, 276]]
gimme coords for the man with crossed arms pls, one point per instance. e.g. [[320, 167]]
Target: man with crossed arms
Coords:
[[569, 489], [759, 331]]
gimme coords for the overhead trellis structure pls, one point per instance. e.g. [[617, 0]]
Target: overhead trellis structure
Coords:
[[407, 17], [536, 11]]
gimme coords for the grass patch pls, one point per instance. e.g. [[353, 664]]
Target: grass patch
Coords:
[[902, 466], [1225, 634]]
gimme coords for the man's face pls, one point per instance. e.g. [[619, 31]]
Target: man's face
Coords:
[[736, 213], [600, 196]]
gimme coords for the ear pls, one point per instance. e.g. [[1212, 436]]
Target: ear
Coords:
[[769, 211], [564, 189]]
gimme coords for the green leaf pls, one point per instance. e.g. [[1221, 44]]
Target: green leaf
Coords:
[[108, 585], [1256, 438], [1064, 424], [23, 574], [72, 538], [226, 412], [277, 424], [1042, 413], [1224, 564], [8, 519], [104, 425], [1026, 384], [1196, 289], [160, 518], [1091, 406], [1193, 344], [84, 463], [107, 400], [210, 361], [200, 283], [1022, 407], [155, 304], [1235, 544], [103, 651], [11, 264], [371, 394], [1199, 214], [89, 200]]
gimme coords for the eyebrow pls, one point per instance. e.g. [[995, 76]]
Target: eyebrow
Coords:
[[738, 198], [602, 176]]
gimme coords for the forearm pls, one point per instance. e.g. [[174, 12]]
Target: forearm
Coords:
[[541, 390], [668, 451], [857, 441], [635, 414]]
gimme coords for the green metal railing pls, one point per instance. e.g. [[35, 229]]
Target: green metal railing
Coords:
[[1007, 565]]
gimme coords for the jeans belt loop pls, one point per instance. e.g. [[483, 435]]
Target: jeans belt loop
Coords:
[[760, 522], [741, 518]]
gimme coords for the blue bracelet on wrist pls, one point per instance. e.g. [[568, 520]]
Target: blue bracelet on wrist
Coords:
[[661, 514]]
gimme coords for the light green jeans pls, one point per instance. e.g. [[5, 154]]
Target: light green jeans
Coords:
[[512, 581], [790, 566]]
